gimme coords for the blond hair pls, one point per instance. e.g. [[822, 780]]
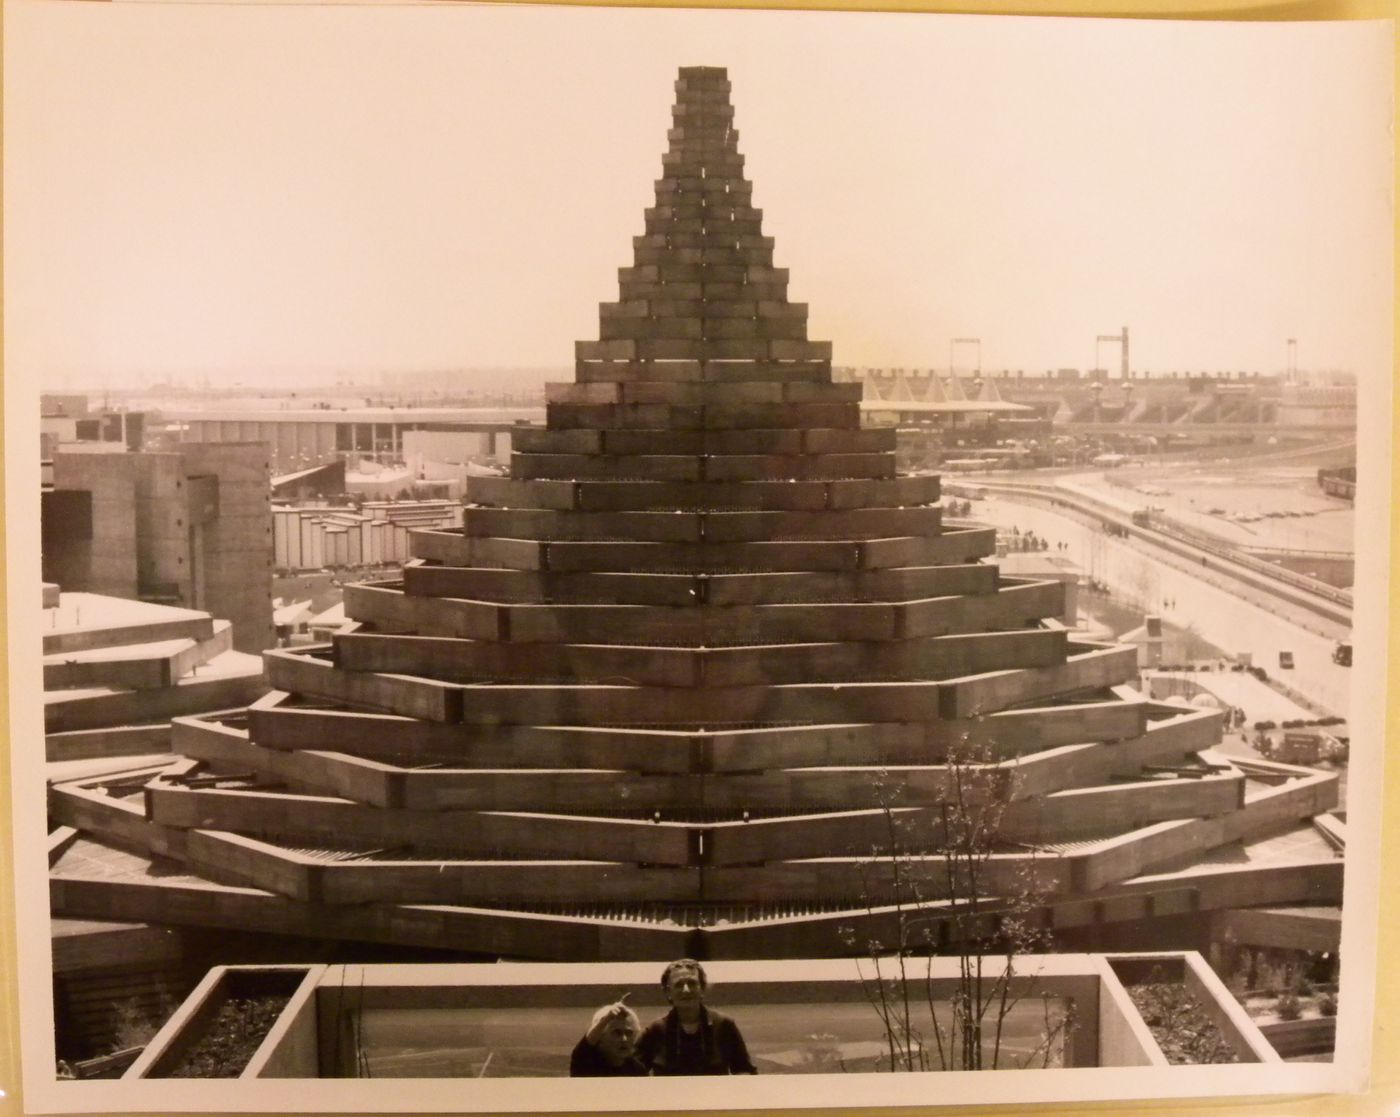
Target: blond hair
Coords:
[[608, 1010]]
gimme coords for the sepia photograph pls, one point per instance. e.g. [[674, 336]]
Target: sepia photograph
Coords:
[[789, 558]]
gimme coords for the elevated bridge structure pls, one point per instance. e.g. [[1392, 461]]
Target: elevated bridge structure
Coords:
[[1330, 603]]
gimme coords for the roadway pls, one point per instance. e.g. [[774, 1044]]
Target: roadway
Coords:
[[1216, 609]]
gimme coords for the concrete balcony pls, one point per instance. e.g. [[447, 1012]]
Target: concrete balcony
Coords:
[[513, 1021]]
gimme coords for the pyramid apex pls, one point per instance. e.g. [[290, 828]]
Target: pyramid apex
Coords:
[[706, 81]]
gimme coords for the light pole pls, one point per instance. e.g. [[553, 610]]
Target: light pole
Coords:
[[953, 343]]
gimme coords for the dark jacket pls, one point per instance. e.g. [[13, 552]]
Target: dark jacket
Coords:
[[588, 1062], [717, 1049]]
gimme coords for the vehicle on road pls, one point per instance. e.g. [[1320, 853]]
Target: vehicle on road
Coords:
[[1285, 661]]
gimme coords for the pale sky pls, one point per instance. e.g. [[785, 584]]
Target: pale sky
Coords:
[[263, 192]]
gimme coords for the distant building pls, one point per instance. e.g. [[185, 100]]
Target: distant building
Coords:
[[941, 418], [192, 529], [922, 397], [300, 439], [1151, 639], [306, 484], [377, 533], [1324, 404], [1014, 404], [70, 418]]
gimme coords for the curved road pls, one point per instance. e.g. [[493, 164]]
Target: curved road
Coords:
[[1217, 613]]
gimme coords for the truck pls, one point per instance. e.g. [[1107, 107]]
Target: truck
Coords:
[[1308, 746]]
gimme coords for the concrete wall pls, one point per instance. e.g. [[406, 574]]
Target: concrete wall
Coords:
[[129, 740], [445, 448], [165, 566], [1124, 1039], [191, 1021], [149, 540], [1281, 928], [193, 694], [106, 563], [237, 545], [316, 1035], [1200, 982], [290, 1049]]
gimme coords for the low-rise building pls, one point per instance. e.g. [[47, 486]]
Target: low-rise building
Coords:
[[191, 528], [298, 439]]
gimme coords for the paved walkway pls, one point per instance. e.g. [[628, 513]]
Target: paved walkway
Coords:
[[1222, 614], [1259, 701]]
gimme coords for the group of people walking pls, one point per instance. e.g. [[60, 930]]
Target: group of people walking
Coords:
[[690, 1039]]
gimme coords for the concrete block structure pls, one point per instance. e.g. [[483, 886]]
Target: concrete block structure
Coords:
[[115, 672], [69, 418], [668, 687], [315, 537], [191, 529]]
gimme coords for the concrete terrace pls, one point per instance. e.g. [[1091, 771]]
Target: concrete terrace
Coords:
[[669, 686]]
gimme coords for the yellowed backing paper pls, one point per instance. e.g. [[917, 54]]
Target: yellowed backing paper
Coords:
[[1384, 1094]]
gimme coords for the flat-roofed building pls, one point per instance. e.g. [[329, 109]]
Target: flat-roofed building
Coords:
[[192, 528], [302, 438]]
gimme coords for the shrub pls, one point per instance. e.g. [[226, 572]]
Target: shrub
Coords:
[[1179, 1023], [131, 1026], [233, 1036], [1327, 1004], [1289, 1007]]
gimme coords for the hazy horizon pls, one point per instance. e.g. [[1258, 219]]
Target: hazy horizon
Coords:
[[268, 194], [531, 380]]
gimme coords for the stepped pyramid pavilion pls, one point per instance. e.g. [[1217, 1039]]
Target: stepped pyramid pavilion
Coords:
[[669, 685]]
